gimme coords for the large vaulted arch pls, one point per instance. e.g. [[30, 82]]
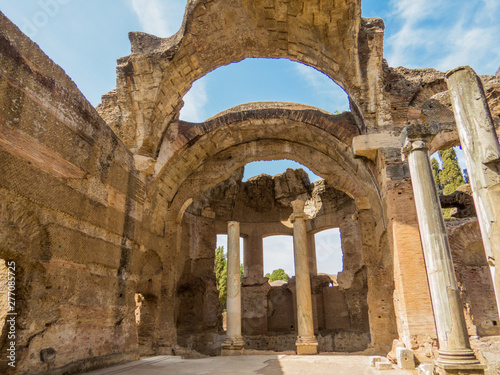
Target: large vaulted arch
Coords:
[[196, 157], [330, 37]]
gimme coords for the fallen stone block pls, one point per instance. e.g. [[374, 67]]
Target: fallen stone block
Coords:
[[405, 358], [374, 359]]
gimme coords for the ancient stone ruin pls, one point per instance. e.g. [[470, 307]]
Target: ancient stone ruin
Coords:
[[110, 215]]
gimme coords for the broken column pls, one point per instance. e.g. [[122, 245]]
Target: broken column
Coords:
[[233, 343], [454, 347], [306, 341], [482, 155]]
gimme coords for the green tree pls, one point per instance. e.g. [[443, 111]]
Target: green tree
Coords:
[[436, 170], [221, 274], [450, 177], [242, 272], [278, 274]]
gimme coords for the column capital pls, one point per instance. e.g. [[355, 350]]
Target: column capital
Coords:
[[298, 211], [303, 216], [418, 136]]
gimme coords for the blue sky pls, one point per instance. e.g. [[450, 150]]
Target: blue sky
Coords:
[[85, 37]]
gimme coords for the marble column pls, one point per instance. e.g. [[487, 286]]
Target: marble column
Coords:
[[306, 341], [233, 343], [454, 347], [479, 142]]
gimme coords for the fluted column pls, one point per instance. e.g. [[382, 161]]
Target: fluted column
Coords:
[[479, 142], [454, 346], [306, 341], [233, 344]]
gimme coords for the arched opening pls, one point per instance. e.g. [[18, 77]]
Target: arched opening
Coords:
[[204, 173], [259, 79]]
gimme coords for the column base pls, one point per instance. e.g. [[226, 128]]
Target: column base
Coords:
[[459, 361], [306, 345], [232, 346]]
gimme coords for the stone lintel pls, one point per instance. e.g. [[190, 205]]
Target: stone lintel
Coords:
[[367, 145]]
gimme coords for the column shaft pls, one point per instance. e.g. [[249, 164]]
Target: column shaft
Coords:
[[454, 346], [482, 156], [306, 341], [233, 344], [313, 265]]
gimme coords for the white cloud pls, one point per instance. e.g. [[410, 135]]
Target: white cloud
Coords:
[[415, 10], [444, 34], [160, 18], [194, 103]]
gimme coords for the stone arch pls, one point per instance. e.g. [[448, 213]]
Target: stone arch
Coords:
[[204, 154], [330, 37]]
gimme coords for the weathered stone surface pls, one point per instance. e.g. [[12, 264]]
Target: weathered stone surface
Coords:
[[405, 359], [112, 215]]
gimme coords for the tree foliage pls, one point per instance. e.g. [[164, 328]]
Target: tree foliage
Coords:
[[435, 170], [450, 177], [278, 274], [221, 274]]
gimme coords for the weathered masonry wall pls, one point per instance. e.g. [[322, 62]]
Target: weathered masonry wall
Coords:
[[70, 212]]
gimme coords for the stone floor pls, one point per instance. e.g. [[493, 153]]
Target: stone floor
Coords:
[[255, 364]]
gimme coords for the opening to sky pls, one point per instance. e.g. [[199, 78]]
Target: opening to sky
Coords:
[[259, 79], [274, 167], [278, 253], [329, 251]]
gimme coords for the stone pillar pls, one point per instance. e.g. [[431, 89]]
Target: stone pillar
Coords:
[[233, 344], [454, 347], [254, 257], [482, 155], [306, 341], [254, 287], [311, 248]]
